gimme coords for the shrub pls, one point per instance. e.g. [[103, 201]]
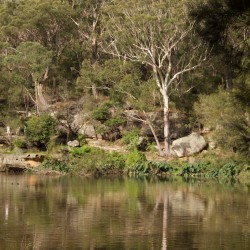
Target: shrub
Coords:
[[134, 140], [160, 167], [135, 158], [142, 168], [115, 159], [102, 113], [130, 137], [82, 139], [229, 170], [109, 130], [39, 129], [208, 170], [56, 165], [115, 122], [151, 147], [229, 117], [82, 150], [244, 175], [91, 160]]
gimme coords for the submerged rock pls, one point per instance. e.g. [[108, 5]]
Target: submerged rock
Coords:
[[188, 145]]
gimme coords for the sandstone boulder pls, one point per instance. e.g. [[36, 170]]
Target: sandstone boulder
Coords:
[[74, 143], [88, 131], [188, 145]]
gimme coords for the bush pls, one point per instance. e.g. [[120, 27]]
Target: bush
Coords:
[[39, 129], [109, 130], [130, 137], [102, 113], [115, 122], [229, 170], [134, 140], [151, 147], [82, 139], [194, 169], [208, 170], [135, 158], [244, 175], [76, 152], [91, 160], [56, 165], [229, 117], [115, 159], [160, 167]]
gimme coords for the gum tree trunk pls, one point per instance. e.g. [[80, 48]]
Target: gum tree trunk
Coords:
[[166, 120], [41, 102]]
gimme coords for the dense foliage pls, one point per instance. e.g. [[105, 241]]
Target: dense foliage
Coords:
[[125, 64], [39, 129]]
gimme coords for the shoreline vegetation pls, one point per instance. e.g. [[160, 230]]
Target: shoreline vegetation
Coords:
[[93, 161], [165, 85]]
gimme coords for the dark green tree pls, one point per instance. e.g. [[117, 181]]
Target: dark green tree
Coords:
[[30, 61], [225, 25], [39, 130]]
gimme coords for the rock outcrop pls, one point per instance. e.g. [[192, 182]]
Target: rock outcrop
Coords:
[[20, 162]]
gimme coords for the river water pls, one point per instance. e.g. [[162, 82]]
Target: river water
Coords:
[[40, 212]]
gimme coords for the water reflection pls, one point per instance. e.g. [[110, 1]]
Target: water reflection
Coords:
[[79, 213]]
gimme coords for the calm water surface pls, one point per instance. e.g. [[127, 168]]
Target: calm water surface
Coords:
[[80, 213]]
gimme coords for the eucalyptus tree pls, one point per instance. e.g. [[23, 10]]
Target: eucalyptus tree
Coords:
[[44, 21], [48, 23], [87, 19], [158, 34], [30, 61]]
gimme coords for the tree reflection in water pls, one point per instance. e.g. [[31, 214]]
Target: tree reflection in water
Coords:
[[41, 212]]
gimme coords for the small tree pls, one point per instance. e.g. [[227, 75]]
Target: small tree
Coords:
[[39, 130]]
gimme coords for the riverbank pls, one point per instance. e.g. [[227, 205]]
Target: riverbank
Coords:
[[105, 161]]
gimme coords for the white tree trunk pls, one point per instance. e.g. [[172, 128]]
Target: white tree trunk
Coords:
[[167, 141], [36, 98], [41, 97], [94, 91], [41, 102]]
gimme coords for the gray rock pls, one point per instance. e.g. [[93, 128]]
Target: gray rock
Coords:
[[88, 131], [74, 143], [188, 145]]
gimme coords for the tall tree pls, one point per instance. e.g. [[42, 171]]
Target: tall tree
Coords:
[[225, 25], [158, 34], [48, 23], [31, 62], [87, 19]]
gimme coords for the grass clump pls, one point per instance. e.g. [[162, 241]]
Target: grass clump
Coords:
[[19, 143]]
